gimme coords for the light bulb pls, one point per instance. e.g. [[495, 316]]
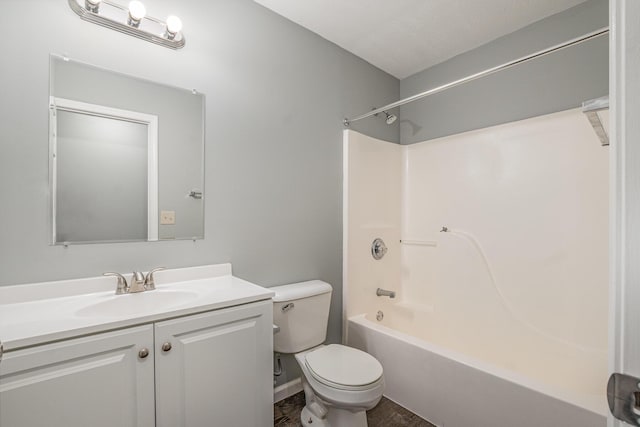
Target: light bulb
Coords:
[[174, 24], [137, 11], [92, 5]]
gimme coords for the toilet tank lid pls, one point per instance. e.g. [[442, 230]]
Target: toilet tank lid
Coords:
[[300, 290]]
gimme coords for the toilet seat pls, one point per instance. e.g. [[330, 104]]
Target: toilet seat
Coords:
[[344, 368]]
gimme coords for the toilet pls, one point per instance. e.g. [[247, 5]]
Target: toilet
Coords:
[[340, 383]]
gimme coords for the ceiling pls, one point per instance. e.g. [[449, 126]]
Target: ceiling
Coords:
[[403, 37]]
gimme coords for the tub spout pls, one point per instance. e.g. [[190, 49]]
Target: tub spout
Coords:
[[385, 293]]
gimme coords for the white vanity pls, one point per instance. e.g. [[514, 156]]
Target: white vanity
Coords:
[[197, 351]]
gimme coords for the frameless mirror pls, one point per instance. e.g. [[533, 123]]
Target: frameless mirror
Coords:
[[126, 157]]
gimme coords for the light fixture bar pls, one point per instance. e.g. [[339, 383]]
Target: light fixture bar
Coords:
[[114, 16]]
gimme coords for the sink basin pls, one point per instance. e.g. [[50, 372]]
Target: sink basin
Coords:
[[138, 303]]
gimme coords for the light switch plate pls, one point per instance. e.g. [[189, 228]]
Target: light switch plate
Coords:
[[167, 217]]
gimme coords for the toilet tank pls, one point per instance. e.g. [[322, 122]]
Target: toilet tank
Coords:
[[301, 310]]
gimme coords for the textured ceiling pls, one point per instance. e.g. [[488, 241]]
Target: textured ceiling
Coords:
[[403, 37]]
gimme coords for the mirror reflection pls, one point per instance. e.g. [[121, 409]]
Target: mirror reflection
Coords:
[[126, 157]]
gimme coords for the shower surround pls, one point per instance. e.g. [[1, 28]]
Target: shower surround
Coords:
[[504, 316]]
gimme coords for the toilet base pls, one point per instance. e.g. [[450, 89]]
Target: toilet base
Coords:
[[308, 419], [335, 418]]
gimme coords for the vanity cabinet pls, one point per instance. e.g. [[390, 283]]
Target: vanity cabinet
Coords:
[[215, 369], [97, 381], [202, 370]]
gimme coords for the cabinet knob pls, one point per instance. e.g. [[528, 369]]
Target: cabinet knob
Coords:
[[166, 347], [143, 353]]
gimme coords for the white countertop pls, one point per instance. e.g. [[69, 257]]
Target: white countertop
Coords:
[[42, 312]]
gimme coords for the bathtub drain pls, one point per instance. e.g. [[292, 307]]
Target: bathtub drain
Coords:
[[379, 316]]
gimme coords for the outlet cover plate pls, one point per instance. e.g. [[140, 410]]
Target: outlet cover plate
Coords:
[[167, 217]]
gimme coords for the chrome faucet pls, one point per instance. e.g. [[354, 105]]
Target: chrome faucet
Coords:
[[385, 293], [138, 283]]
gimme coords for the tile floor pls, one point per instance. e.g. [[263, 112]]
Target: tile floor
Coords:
[[286, 413]]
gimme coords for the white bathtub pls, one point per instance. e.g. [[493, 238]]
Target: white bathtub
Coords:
[[450, 380]]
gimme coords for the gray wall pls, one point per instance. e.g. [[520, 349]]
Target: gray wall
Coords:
[[553, 83], [276, 96]]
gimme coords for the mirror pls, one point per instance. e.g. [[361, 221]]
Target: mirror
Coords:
[[126, 157]]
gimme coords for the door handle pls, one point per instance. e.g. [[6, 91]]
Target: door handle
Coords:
[[623, 397]]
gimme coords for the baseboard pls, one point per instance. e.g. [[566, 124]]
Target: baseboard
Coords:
[[286, 390]]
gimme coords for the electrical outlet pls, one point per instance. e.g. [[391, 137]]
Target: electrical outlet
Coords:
[[167, 217]]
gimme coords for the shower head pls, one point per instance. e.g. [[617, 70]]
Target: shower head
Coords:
[[390, 118]]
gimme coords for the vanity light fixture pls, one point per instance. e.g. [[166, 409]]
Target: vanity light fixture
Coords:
[[132, 20]]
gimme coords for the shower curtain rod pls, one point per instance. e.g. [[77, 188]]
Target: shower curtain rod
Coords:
[[540, 53]]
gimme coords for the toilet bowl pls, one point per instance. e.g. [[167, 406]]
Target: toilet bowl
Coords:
[[340, 383]]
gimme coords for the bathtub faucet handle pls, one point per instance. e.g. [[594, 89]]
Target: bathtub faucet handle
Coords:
[[444, 230]]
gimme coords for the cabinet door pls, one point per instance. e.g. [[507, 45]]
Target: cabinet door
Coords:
[[218, 371], [96, 381]]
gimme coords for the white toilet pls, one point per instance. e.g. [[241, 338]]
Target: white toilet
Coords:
[[340, 383]]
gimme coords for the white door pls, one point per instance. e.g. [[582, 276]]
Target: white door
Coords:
[[215, 369], [625, 214], [97, 381]]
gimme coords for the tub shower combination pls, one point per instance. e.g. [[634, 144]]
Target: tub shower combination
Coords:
[[497, 318]]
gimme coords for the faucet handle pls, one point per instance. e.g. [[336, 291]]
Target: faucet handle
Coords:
[[149, 282], [122, 287]]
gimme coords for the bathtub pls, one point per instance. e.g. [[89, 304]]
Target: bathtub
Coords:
[[453, 377]]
